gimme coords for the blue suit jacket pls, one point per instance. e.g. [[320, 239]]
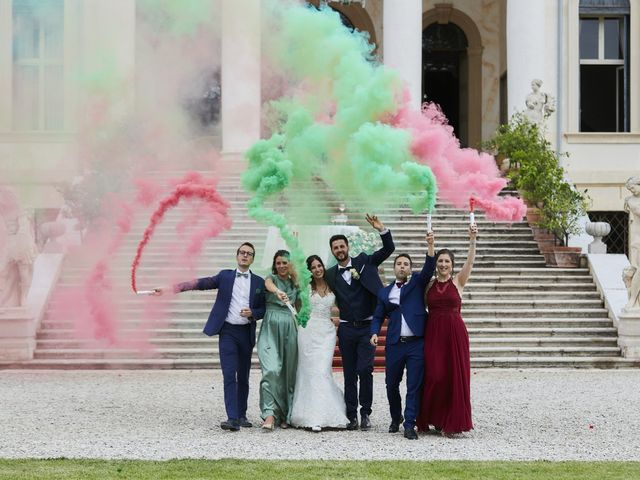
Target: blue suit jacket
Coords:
[[411, 305], [367, 267], [223, 282]]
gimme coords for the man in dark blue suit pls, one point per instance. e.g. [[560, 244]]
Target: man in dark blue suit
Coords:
[[402, 302], [239, 303], [355, 283]]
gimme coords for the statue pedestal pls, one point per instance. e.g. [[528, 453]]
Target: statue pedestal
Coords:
[[629, 333], [18, 325], [17, 334]]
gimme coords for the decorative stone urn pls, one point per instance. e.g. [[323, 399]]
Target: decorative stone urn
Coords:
[[598, 230]]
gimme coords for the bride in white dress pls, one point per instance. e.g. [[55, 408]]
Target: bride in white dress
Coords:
[[318, 402]]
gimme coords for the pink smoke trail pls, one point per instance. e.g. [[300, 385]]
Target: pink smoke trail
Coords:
[[97, 285], [193, 187], [462, 173]]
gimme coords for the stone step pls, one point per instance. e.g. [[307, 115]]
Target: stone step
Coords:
[[475, 310], [214, 363], [525, 273], [537, 312], [157, 266], [472, 321], [124, 353], [519, 321], [445, 224], [418, 254], [543, 332], [416, 249], [478, 282], [553, 351], [61, 331], [166, 232], [188, 351], [527, 289], [552, 342], [201, 341], [548, 279], [554, 362], [121, 364], [533, 303], [203, 300], [545, 295]]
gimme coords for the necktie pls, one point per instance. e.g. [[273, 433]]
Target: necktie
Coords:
[[341, 270], [399, 284], [241, 274]]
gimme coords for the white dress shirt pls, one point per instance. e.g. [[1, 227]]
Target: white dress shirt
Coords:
[[394, 297], [347, 274], [239, 299]]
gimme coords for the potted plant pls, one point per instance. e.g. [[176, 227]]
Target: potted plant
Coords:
[[533, 164], [555, 206], [563, 208]]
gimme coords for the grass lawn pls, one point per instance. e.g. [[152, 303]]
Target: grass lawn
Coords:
[[68, 469]]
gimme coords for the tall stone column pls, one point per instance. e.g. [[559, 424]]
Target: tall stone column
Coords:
[[525, 50], [402, 32], [241, 94]]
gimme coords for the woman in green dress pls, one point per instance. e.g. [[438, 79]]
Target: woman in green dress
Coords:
[[278, 344]]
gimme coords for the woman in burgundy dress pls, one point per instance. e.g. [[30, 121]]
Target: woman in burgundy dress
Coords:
[[446, 396]]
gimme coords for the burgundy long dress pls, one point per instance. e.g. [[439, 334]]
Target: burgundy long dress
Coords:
[[446, 395]]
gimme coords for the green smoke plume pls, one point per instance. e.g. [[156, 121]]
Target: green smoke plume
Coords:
[[334, 126]]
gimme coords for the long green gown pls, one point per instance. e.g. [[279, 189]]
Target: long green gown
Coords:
[[278, 354]]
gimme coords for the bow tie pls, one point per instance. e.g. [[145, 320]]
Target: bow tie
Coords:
[[341, 270], [400, 284], [241, 274]]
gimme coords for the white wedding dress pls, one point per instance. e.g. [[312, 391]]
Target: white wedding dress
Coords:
[[317, 401]]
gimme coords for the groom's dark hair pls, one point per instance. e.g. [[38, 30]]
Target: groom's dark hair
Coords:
[[338, 237], [405, 255]]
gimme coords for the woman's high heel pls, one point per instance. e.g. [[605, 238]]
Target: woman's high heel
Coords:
[[269, 426]]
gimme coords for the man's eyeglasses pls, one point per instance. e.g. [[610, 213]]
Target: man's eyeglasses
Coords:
[[245, 253]]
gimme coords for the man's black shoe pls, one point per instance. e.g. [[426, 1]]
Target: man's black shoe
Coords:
[[410, 434], [244, 423], [395, 425], [365, 423], [230, 425], [353, 424]]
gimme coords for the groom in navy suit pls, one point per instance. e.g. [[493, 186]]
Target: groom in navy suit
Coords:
[[239, 303], [355, 283], [402, 302]]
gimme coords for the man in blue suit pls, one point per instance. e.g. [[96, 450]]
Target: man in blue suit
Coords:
[[402, 302], [355, 283], [239, 303]]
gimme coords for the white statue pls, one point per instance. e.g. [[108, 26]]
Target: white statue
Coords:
[[539, 104], [630, 274], [17, 251]]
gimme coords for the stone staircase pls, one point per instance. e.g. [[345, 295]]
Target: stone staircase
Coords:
[[519, 313]]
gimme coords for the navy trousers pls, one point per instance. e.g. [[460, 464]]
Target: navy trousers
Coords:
[[398, 357], [235, 360], [357, 364]]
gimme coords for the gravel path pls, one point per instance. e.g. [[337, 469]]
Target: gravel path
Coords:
[[518, 415]]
